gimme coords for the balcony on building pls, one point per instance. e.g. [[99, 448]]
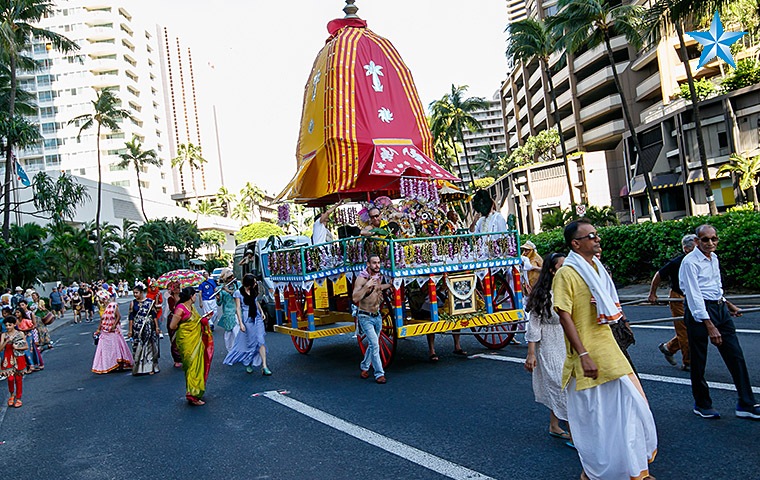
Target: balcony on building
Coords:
[[599, 78], [647, 54], [536, 98], [648, 87], [608, 133], [596, 53], [600, 107]]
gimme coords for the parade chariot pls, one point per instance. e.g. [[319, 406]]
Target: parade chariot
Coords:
[[364, 136]]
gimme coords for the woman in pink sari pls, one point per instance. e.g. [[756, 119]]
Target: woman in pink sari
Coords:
[[112, 352], [195, 343]]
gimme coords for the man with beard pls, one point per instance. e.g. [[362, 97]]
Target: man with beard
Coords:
[[368, 297]]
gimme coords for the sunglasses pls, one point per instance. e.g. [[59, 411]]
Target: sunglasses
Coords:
[[375, 216], [590, 236], [709, 239]]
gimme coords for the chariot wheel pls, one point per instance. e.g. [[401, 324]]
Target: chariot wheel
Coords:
[[303, 345]]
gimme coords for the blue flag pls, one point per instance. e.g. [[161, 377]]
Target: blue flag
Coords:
[[22, 174]]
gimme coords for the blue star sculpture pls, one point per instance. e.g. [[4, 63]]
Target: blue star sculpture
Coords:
[[716, 42]]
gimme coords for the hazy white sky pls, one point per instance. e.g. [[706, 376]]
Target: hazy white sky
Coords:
[[263, 52]]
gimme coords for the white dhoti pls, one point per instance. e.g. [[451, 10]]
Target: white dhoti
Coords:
[[211, 306], [613, 430]]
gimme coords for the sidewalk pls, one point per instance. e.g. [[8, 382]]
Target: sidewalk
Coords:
[[631, 293], [68, 317]]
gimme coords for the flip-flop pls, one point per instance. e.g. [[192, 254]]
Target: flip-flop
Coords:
[[434, 358], [460, 352], [570, 444], [563, 435]]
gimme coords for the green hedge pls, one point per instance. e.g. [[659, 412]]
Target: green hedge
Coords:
[[634, 253]]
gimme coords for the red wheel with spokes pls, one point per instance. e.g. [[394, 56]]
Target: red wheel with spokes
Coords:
[[495, 337], [387, 338], [303, 345]]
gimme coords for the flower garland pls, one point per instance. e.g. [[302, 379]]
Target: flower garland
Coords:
[[283, 214]]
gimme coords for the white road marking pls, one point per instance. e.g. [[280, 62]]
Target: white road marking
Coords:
[[666, 327], [424, 459], [3, 409], [644, 376]]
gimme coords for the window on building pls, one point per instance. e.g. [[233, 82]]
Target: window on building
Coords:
[[47, 112], [144, 184], [46, 96], [115, 167], [52, 142], [672, 200], [120, 183], [44, 80], [117, 151], [50, 127], [53, 161]]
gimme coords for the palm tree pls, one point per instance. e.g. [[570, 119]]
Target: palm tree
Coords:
[[747, 170], [190, 155], [531, 39], [589, 23], [252, 196], [106, 113], [18, 21], [657, 21], [487, 161], [452, 114], [241, 212], [140, 159], [205, 207], [226, 199]]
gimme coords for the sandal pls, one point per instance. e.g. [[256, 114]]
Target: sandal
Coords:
[[434, 358], [17, 403], [563, 435], [460, 352], [11, 400]]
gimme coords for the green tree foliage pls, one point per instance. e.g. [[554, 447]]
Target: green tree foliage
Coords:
[[635, 252], [484, 182], [703, 86], [226, 199], [599, 216], [162, 243], [106, 112], [452, 114], [191, 156], [206, 207], [746, 73], [27, 254], [140, 159], [536, 149], [488, 163], [214, 239], [747, 170], [258, 230]]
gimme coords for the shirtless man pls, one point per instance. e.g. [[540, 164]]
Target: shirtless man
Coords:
[[368, 296]]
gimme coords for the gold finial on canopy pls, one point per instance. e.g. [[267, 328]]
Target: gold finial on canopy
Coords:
[[350, 9]]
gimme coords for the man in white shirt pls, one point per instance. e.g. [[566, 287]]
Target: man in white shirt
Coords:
[[708, 316], [489, 219], [320, 233]]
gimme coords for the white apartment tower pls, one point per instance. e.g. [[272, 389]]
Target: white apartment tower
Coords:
[[492, 134], [187, 83], [118, 53]]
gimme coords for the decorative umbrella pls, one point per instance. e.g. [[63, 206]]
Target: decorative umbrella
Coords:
[[449, 193], [184, 277]]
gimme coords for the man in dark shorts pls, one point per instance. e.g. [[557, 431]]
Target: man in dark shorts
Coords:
[[89, 306]]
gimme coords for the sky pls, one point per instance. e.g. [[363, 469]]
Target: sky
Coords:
[[263, 50]]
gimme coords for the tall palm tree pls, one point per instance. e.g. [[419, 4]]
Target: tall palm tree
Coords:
[[589, 23], [190, 155], [140, 159], [487, 161], [226, 199], [205, 207], [242, 212], [531, 39], [252, 196], [452, 114], [747, 170], [18, 19], [106, 113], [657, 21]]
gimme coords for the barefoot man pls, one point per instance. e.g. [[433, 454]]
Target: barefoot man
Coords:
[[368, 296]]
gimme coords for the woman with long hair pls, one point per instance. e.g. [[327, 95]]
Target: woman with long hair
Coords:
[[250, 348], [546, 347], [112, 352], [144, 331], [172, 301], [39, 310], [195, 343], [226, 302]]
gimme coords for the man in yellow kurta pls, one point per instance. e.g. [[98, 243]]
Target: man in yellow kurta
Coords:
[[612, 426]]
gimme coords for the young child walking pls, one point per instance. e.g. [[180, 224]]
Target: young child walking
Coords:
[[12, 345]]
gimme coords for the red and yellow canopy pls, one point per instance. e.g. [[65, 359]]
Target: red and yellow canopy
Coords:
[[363, 126]]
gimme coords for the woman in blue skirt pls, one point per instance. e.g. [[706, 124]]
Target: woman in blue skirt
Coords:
[[250, 347]]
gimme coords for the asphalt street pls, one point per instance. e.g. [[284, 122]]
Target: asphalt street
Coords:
[[457, 418]]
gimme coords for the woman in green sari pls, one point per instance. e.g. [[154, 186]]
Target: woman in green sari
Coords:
[[195, 343]]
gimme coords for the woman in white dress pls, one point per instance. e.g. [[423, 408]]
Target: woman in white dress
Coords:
[[546, 347]]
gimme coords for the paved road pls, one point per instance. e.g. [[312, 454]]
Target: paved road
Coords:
[[459, 418]]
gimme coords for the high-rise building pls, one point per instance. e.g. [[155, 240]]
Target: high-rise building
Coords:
[[491, 134], [117, 52], [192, 115]]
